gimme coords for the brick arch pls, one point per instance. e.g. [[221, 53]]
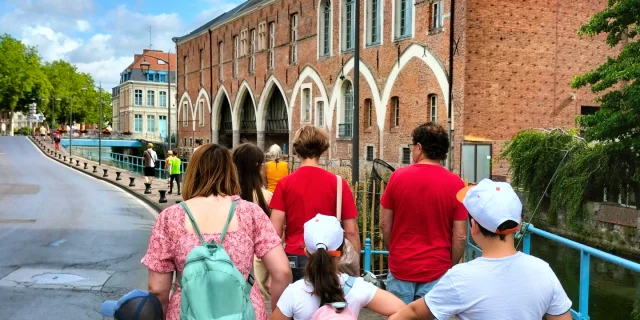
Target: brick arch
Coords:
[[422, 53], [185, 98], [261, 115], [310, 72], [217, 104], [369, 78], [244, 90]]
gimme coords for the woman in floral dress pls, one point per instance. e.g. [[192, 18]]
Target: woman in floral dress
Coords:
[[210, 186]]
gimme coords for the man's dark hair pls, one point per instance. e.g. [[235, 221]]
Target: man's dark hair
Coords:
[[434, 140], [199, 142], [509, 224]]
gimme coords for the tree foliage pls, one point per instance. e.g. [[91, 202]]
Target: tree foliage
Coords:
[[58, 89]]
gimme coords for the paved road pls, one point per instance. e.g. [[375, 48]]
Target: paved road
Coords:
[[52, 217]]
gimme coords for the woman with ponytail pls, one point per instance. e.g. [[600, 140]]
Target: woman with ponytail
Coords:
[[324, 284]]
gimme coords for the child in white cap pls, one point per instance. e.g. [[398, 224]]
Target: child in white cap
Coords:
[[501, 284], [323, 284]]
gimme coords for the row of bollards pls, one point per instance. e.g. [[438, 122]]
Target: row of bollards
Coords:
[[60, 156]]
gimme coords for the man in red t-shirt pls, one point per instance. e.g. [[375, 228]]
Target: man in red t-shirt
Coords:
[[423, 224], [308, 191]]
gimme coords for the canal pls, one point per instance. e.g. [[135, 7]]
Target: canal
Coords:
[[614, 292]]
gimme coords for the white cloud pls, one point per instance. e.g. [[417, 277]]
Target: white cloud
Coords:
[[51, 45], [216, 9], [106, 70], [83, 25]]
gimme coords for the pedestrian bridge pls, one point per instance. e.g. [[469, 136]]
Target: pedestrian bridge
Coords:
[[91, 142]]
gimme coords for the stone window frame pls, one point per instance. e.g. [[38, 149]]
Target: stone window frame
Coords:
[[368, 23], [433, 107], [396, 20], [345, 6], [322, 24], [303, 88], [366, 149]]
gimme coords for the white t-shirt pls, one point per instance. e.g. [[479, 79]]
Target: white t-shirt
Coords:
[[516, 287], [298, 302]]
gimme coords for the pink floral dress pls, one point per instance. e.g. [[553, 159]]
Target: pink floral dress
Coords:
[[170, 244]]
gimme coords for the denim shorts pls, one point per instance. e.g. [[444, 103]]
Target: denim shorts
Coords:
[[409, 291], [297, 264]]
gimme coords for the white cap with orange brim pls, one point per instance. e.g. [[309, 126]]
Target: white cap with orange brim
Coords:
[[492, 204]]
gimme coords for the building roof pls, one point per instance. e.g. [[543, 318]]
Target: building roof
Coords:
[[225, 17], [149, 55]]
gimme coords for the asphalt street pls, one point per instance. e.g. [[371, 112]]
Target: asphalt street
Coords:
[[59, 230]]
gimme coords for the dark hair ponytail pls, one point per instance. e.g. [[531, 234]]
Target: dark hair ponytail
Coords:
[[322, 273]]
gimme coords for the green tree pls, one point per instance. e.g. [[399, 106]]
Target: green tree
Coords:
[[617, 124], [21, 76], [67, 94]]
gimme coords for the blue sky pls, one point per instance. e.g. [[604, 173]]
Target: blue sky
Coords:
[[101, 36]]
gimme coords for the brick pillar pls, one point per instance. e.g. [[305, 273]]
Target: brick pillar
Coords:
[[261, 140], [236, 138], [215, 136]]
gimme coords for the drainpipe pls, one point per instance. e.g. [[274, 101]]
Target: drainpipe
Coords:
[[211, 85], [450, 107], [175, 40]]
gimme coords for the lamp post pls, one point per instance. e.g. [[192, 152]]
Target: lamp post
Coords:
[[100, 121], [145, 65], [70, 123]]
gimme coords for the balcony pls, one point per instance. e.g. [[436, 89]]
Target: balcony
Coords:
[[345, 130]]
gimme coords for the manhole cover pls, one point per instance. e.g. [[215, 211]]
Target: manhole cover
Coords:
[[56, 278]]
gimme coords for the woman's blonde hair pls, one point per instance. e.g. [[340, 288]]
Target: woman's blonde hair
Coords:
[[211, 171], [274, 153], [310, 142]]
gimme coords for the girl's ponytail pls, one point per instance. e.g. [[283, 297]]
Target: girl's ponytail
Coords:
[[322, 273]]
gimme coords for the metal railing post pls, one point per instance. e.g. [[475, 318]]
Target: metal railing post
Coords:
[[526, 247], [585, 268], [367, 254]]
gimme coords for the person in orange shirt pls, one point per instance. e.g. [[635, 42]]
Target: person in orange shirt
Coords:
[[275, 169]]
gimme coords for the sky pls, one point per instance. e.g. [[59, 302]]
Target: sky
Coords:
[[100, 37]]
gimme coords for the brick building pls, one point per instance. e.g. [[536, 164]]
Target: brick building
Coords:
[[263, 69], [140, 100]]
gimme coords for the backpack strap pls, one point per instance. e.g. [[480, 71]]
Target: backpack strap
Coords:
[[193, 222], [226, 225], [348, 285], [197, 230]]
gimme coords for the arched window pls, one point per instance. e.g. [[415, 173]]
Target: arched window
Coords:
[[348, 25], [324, 28], [345, 128]]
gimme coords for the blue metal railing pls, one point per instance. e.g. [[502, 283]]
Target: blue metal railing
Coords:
[[130, 163], [585, 261]]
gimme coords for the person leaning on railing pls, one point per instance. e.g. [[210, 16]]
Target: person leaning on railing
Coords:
[[274, 169]]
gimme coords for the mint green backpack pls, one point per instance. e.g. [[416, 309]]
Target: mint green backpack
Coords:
[[212, 287]]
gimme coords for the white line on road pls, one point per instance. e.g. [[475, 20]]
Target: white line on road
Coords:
[[150, 210]]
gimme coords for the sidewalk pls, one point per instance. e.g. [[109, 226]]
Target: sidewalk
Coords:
[[45, 145]]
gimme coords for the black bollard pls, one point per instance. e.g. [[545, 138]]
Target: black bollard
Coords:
[[77, 163], [95, 169], [147, 188], [59, 156], [118, 176], [105, 173], [132, 182], [85, 166], [70, 160], [163, 198], [65, 158]]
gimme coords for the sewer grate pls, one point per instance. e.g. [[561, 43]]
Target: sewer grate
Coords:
[[56, 278]]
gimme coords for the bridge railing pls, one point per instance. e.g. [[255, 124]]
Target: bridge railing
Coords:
[[130, 163], [585, 261]]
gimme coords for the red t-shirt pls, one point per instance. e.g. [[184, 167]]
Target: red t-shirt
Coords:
[[424, 204], [305, 193]]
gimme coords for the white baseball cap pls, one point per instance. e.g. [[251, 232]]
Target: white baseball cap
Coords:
[[323, 232], [491, 204]]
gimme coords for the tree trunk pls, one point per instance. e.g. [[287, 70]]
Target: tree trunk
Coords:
[[11, 123]]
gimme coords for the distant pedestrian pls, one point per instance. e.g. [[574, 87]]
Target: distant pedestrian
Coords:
[[135, 305], [167, 167], [175, 171], [198, 143], [501, 284], [275, 169], [308, 191], [150, 158], [211, 197], [3, 128], [248, 159], [56, 140], [324, 287], [423, 225]]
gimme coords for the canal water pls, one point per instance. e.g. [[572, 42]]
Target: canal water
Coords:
[[614, 292]]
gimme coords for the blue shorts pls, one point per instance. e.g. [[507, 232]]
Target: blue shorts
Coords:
[[408, 291]]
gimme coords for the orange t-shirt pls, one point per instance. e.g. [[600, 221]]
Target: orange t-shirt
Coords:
[[275, 173]]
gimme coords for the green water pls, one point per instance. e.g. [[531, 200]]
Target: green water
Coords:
[[614, 292]]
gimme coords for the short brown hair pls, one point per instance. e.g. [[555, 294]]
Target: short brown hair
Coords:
[[210, 172], [310, 142]]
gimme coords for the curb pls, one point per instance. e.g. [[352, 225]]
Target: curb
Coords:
[[149, 202]]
